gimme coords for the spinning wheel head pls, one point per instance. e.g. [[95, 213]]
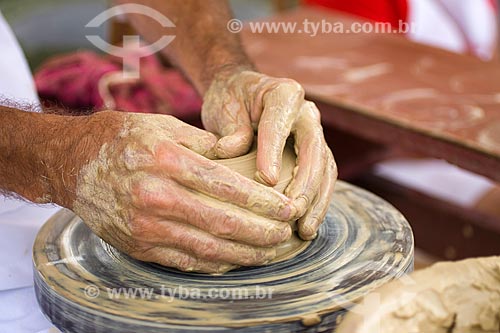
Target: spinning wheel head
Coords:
[[85, 285]]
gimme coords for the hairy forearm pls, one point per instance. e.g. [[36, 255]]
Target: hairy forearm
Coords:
[[24, 160], [39, 154], [203, 46]]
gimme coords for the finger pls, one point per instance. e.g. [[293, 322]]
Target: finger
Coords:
[[236, 143], [196, 242], [231, 123], [180, 260], [155, 128], [219, 182], [172, 202], [281, 105], [311, 149], [196, 139], [309, 224]]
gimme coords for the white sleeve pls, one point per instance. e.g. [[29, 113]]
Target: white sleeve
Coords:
[[16, 80], [19, 221]]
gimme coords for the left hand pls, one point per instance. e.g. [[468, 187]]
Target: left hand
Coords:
[[239, 101]]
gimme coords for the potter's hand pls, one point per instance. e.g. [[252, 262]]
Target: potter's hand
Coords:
[[152, 194], [240, 101]]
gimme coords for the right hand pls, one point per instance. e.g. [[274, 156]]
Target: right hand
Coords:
[[153, 193]]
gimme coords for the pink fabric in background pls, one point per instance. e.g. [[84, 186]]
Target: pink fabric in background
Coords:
[[72, 81]]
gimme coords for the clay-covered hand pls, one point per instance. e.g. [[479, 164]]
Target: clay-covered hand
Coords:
[[241, 101], [153, 193]]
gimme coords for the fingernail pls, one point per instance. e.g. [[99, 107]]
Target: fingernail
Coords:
[[274, 174], [307, 232], [301, 204], [269, 180]]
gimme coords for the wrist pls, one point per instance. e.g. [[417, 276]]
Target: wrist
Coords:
[[226, 71], [24, 163], [57, 158], [225, 75], [81, 140], [222, 70]]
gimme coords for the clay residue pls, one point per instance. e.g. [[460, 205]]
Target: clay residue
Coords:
[[357, 75], [446, 111], [96, 204], [490, 136]]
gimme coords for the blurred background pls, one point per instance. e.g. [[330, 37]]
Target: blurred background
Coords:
[[47, 27]]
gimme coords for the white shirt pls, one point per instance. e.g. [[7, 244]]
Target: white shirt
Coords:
[[19, 221]]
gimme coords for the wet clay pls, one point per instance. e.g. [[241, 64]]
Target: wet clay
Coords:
[[362, 244], [246, 166], [456, 297]]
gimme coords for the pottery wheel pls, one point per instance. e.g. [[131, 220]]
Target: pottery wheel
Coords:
[[363, 243]]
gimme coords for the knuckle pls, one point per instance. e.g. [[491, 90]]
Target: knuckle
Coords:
[[166, 152], [284, 87], [148, 191], [289, 84], [140, 227], [281, 233], [312, 110], [168, 119], [226, 227], [133, 157], [208, 249]]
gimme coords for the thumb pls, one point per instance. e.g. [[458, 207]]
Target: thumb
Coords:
[[197, 140], [232, 124], [235, 143]]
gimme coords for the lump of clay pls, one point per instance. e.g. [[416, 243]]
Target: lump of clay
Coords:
[[458, 297], [246, 166]]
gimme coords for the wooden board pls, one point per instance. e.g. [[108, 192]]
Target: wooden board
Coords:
[[363, 243], [387, 89]]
